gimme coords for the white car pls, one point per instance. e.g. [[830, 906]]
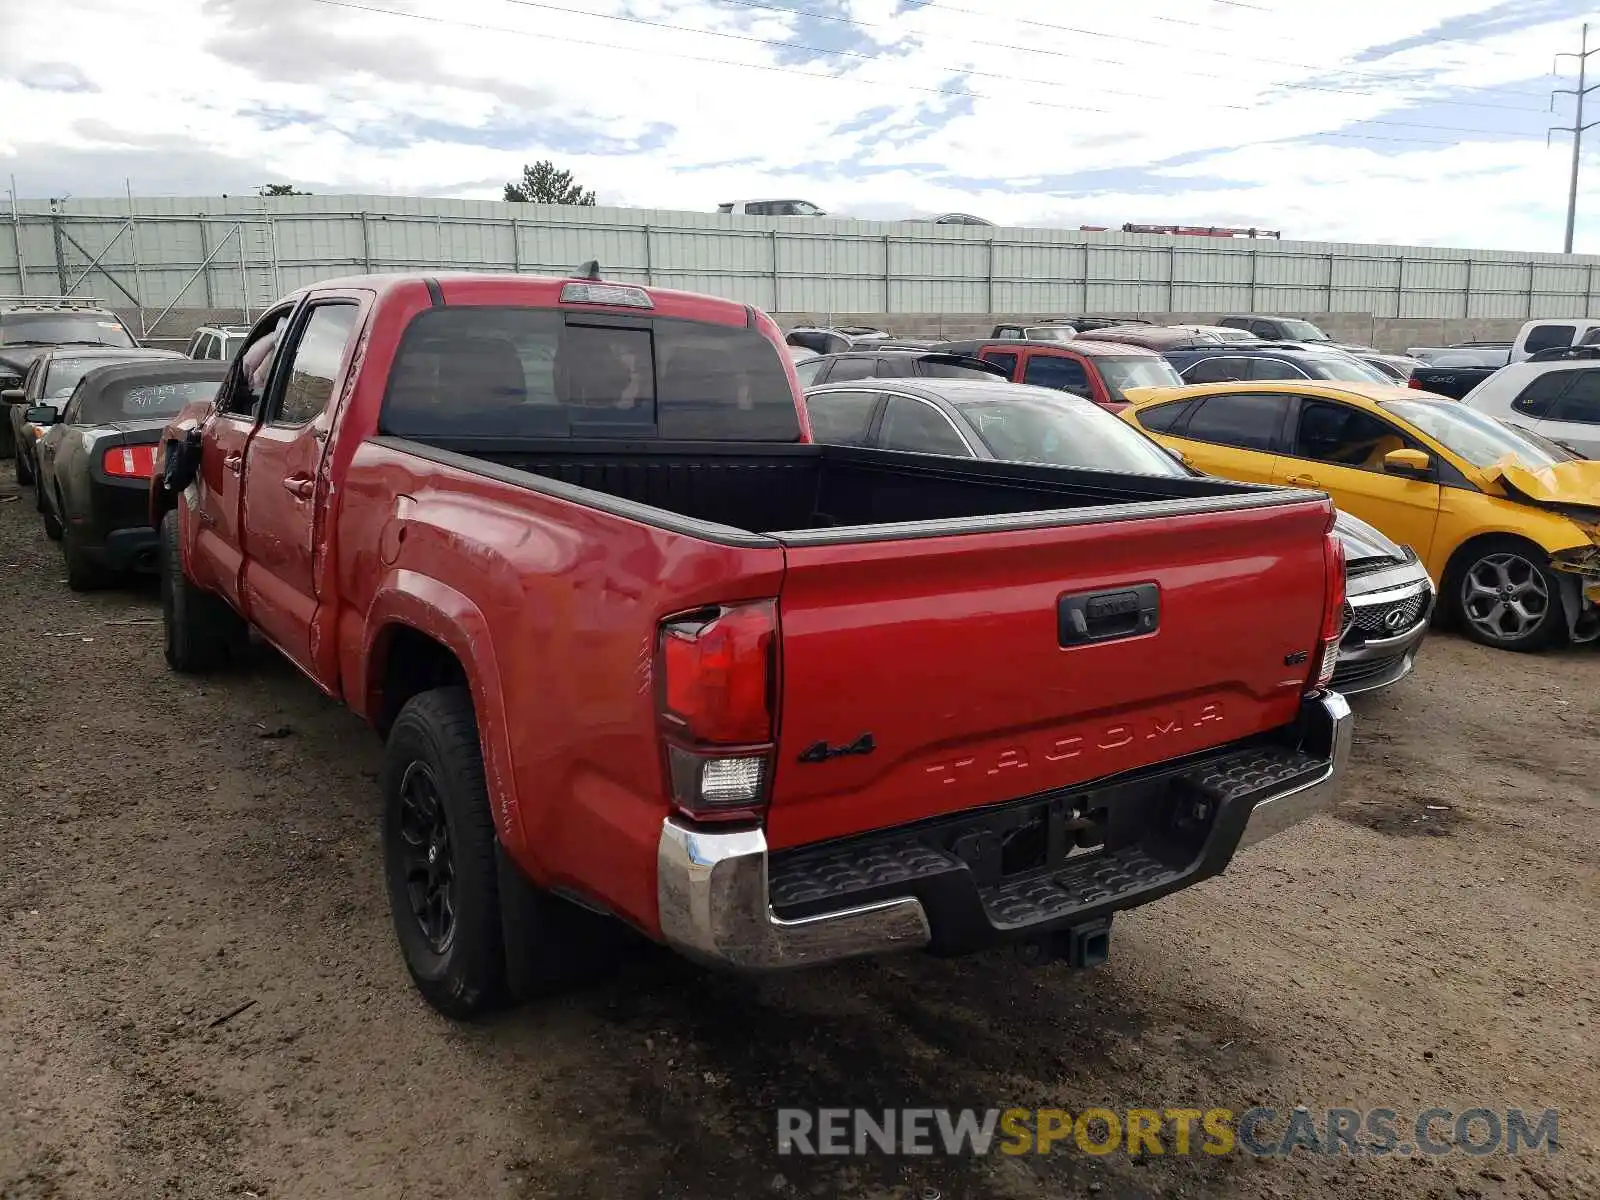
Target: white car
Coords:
[[1557, 398], [770, 208]]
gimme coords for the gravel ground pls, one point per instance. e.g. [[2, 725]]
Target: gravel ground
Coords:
[[202, 996]]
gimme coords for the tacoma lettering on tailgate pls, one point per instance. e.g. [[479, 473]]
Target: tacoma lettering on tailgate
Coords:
[[1111, 737]]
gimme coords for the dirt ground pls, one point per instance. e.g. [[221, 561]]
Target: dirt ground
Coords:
[[174, 851]]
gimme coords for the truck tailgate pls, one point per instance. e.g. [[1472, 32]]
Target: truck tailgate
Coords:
[[945, 655]]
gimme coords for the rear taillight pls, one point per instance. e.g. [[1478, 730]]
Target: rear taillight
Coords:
[[129, 462], [717, 691], [1413, 382], [1332, 610]]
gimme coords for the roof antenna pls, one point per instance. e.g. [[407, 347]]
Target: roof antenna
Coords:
[[590, 271]]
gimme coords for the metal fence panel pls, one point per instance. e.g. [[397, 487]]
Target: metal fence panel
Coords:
[[785, 264]]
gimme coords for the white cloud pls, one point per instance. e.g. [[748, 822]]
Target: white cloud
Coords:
[[1081, 109]]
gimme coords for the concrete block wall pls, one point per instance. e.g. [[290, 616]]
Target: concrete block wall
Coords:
[[1393, 334]]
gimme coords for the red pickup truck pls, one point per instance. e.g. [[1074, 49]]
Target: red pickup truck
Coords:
[[643, 653]]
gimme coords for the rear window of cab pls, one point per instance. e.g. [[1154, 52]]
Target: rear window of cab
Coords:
[[478, 372]]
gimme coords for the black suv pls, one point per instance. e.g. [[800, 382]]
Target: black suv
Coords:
[[892, 364], [1271, 360], [30, 325], [1285, 329]]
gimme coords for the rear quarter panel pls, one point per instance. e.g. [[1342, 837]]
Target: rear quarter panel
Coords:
[[552, 608]]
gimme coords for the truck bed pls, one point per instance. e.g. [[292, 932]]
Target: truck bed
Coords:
[[816, 494], [925, 601]]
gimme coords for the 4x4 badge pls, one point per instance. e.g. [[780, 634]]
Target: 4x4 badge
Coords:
[[821, 752]]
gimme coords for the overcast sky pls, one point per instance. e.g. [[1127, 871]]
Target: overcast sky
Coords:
[[1419, 121]]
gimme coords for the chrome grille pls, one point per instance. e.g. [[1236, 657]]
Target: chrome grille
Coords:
[[1376, 620]]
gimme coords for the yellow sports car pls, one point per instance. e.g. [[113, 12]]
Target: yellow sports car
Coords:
[[1507, 521]]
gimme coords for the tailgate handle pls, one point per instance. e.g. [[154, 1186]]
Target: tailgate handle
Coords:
[[1085, 617]]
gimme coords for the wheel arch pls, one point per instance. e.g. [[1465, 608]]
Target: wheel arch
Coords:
[[420, 634]]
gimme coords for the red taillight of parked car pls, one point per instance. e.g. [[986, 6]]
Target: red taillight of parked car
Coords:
[[1413, 382], [716, 693], [129, 462], [1332, 611]]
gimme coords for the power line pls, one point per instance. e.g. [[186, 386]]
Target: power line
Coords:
[[861, 56], [967, 71], [1253, 58], [1577, 128], [1054, 53], [772, 68]]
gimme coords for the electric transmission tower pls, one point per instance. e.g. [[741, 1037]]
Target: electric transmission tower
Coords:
[[1577, 128]]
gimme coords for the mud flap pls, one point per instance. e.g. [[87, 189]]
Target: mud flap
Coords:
[[1583, 618], [551, 943], [182, 462]]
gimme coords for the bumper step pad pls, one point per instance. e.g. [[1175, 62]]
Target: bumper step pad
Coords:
[[872, 868]]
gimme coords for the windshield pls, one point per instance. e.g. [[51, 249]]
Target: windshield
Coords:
[[53, 328], [65, 373], [1064, 431], [1480, 439], [1343, 368], [1302, 331], [1123, 373]]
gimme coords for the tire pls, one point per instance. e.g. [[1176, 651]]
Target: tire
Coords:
[[24, 472], [83, 573], [1502, 593], [52, 523], [439, 855], [200, 628], [38, 495]]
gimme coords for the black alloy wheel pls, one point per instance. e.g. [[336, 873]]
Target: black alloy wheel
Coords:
[[428, 860]]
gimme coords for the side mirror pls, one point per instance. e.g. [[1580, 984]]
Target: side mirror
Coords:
[[1178, 454], [42, 414], [1412, 463], [11, 396]]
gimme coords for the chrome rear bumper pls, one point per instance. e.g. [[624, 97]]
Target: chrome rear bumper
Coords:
[[715, 901]]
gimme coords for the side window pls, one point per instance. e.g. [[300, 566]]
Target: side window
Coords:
[[1274, 368], [856, 367], [806, 372], [841, 418], [916, 425], [1215, 370], [1535, 399], [1264, 329], [1543, 337], [1248, 422], [1591, 338], [1581, 401], [1007, 362], [318, 351], [896, 366], [1057, 371], [69, 414], [1344, 436], [1008, 331], [1161, 417], [245, 389], [193, 349]]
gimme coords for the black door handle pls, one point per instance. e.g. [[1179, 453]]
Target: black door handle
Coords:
[[1085, 617]]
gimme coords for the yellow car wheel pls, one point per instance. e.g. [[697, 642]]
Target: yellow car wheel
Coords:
[[1503, 593]]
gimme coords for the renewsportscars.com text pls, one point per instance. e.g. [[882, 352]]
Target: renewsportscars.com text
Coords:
[[1261, 1132]]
